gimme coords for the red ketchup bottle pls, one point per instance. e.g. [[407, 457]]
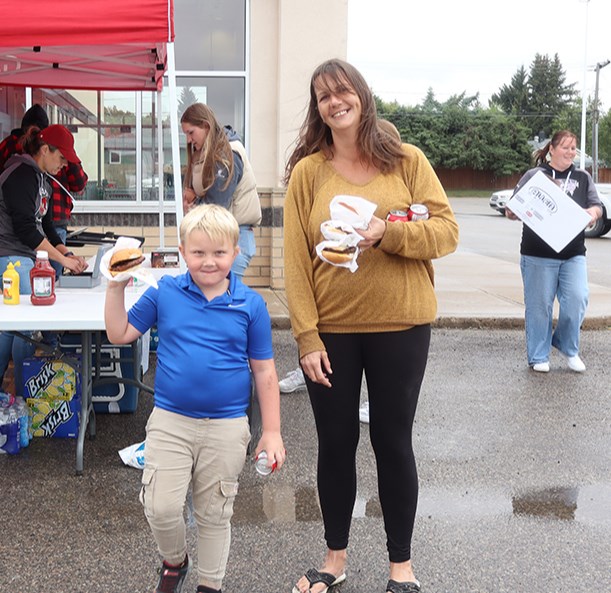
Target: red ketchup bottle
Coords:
[[42, 280]]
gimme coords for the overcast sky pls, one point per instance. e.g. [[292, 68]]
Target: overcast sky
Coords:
[[403, 47]]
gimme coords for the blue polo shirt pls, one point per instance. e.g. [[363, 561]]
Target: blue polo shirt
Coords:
[[204, 346]]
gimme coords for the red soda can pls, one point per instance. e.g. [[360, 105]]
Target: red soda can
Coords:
[[261, 464], [418, 212], [397, 215]]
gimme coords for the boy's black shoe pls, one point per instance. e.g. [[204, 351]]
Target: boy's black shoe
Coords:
[[204, 589], [172, 578]]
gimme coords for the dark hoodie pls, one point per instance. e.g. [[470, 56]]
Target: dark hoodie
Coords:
[[25, 217], [34, 116], [581, 189]]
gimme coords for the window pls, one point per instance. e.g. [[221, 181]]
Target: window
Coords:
[[210, 35]]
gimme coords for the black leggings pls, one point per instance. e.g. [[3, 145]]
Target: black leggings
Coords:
[[394, 364]]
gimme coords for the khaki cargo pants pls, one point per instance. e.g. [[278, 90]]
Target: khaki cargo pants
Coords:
[[209, 455]]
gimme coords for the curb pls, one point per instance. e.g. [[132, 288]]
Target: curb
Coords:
[[593, 324], [513, 319]]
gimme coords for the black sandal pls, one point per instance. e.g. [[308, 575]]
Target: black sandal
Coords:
[[396, 587], [315, 576]]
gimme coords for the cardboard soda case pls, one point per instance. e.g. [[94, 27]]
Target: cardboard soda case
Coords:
[[52, 389]]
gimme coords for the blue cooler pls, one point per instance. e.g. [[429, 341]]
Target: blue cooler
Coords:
[[110, 395]]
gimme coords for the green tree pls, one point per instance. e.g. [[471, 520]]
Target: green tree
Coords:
[[461, 133], [549, 94], [513, 98], [187, 97], [538, 98], [604, 138], [114, 115], [430, 103], [570, 119]]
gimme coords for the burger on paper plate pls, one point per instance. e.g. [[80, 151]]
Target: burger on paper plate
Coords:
[[125, 259]]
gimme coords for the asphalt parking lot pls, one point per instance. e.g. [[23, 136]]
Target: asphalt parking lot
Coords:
[[514, 472]]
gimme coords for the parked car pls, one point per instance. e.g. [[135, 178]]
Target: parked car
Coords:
[[498, 200], [601, 227]]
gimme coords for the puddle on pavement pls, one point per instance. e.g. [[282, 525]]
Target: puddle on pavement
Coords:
[[557, 503], [281, 503], [586, 504]]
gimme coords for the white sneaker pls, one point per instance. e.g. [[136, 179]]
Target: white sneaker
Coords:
[[364, 412], [541, 367], [576, 364], [293, 381]]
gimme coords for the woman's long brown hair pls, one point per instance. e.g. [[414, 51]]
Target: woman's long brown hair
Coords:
[[375, 145], [215, 151]]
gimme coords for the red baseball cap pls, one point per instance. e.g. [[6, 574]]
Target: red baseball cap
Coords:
[[61, 138]]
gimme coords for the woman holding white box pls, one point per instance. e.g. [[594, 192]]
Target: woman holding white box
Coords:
[[548, 274]]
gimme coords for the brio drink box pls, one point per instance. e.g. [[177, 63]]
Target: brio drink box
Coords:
[[52, 389]]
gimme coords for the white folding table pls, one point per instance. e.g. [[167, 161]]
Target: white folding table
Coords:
[[75, 309]]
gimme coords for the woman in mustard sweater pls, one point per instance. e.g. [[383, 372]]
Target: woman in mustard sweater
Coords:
[[375, 320]]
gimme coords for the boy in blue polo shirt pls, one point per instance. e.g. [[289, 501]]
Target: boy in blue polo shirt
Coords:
[[213, 332]]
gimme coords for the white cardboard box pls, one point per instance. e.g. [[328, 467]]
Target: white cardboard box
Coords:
[[544, 207]]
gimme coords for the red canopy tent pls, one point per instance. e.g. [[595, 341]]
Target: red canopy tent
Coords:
[[96, 44], [92, 45]]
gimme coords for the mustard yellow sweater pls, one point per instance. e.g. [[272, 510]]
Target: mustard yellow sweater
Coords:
[[392, 289]]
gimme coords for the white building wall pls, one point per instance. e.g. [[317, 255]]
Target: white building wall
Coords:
[[289, 38]]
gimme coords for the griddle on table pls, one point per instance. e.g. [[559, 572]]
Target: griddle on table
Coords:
[[81, 237]]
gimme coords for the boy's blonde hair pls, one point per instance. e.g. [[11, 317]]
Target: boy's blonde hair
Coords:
[[217, 222]]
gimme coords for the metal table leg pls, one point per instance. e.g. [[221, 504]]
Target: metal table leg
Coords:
[[87, 414]]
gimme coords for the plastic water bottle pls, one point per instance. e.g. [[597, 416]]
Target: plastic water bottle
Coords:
[[23, 414], [6, 399], [3, 430], [9, 432], [13, 432]]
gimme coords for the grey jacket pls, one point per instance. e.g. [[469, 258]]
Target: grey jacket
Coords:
[[25, 216]]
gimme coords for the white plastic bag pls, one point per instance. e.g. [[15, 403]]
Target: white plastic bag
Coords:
[[133, 455], [354, 210]]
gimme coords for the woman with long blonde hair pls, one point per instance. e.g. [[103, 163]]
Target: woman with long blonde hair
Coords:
[[219, 172]]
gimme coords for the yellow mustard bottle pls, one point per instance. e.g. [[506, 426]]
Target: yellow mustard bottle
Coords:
[[10, 284]]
